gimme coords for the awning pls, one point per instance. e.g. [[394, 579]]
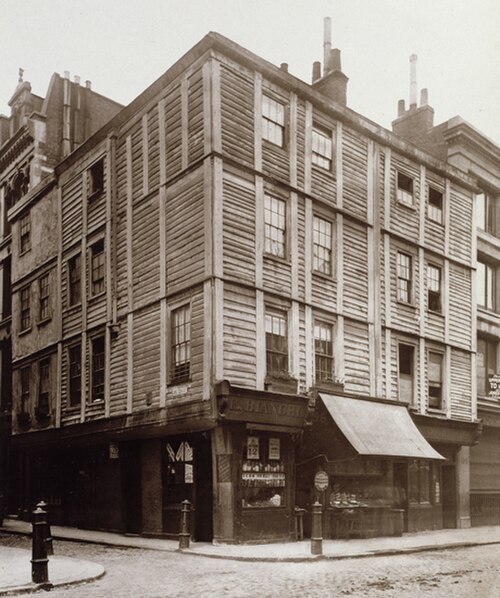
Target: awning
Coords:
[[378, 429]]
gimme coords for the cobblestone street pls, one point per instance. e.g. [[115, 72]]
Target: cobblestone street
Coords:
[[150, 574]]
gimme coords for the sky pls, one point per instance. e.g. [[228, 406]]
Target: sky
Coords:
[[122, 46]]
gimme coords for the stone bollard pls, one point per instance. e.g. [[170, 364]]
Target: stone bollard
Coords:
[[48, 535], [317, 528], [184, 534], [39, 561]]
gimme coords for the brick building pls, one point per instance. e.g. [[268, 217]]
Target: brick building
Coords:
[[244, 287]]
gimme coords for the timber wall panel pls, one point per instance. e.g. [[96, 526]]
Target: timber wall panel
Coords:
[[461, 388], [357, 357], [118, 371], [239, 229], [460, 224], [301, 142], [277, 276], [173, 136], [355, 168], [404, 316], [153, 149], [434, 325], [137, 161], [460, 328], [434, 231], [146, 358], [72, 215], [185, 231], [240, 336], [275, 159], [197, 341], [195, 116], [145, 251], [96, 310], [355, 269], [301, 240]]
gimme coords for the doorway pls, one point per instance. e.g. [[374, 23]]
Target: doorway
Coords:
[[400, 483], [449, 499]]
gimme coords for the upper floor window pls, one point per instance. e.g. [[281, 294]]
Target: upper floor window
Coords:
[[322, 245], [25, 378], [98, 368], [75, 375], [273, 121], [435, 379], [435, 205], [276, 342], [96, 178], [486, 365], [404, 189], [25, 311], [485, 212], [485, 285], [275, 226], [406, 369], [44, 384], [323, 351], [322, 148], [75, 279], [44, 297], [97, 267], [181, 343], [433, 288], [405, 275], [25, 233]]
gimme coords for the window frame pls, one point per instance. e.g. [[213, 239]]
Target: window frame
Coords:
[[434, 295], [487, 290], [25, 233], [276, 350], [405, 196], [97, 268], [72, 391], [322, 159], [431, 383], [324, 355], [180, 345], [43, 400], [317, 233], [401, 291], [96, 178], [74, 283], [44, 311], [273, 125], [24, 388], [435, 213], [25, 308], [98, 369], [411, 375], [270, 226], [486, 216]]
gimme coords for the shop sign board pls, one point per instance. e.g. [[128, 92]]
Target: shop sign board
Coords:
[[321, 481], [495, 386], [253, 447], [274, 448], [291, 411]]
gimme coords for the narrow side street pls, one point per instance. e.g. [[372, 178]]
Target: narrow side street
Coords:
[[141, 573]]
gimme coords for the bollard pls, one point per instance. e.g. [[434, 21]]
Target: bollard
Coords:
[[184, 534], [39, 561], [317, 528], [47, 533]]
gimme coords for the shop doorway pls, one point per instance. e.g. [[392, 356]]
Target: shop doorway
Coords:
[[131, 487], [449, 499], [400, 483]]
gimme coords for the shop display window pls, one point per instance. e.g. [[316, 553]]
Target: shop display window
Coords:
[[419, 482], [263, 478]]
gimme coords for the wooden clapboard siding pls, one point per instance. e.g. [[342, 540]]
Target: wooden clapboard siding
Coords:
[[145, 251], [173, 135], [118, 371], [357, 357], [381, 185], [120, 226], [460, 306], [323, 185], [301, 142], [393, 368], [303, 349], [404, 316], [137, 173], [239, 228], [404, 219], [146, 357], [385, 363], [382, 281], [237, 113], [197, 341], [153, 149], [355, 298], [355, 168], [96, 310], [185, 231], [277, 276], [460, 382], [71, 212], [434, 325], [195, 116], [301, 241], [324, 292], [460, 224], [94, 411], [275, 159], [240, 336]]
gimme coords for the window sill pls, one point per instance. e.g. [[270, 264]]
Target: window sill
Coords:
[[326, 171], [441, 224], [411, 207], [73, 307], [276, 258], [23, 332], [322, 275], [95, 195], [21, 253], [273, 145], [436, 411], [179, 381], [43, 322], [72, 409], [411, 305], [95, 297], [439, 314]]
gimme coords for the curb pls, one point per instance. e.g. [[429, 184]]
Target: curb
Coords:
[[36, 587]]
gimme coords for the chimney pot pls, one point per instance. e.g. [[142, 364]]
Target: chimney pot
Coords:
[[424, 97], [335, 60], [88, 84], [401, 108], [77, 80], [316, 71], [66, 74], [327, 44], [284, 67]]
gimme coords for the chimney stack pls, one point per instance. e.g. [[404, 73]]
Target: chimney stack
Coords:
[[413, 81], [424, 97], [401, 108], [316, 71], [77, 80], [333, 84], [284, 67], [88, 84]]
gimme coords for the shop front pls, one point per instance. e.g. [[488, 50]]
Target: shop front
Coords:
[[376, 469], [254, 448]]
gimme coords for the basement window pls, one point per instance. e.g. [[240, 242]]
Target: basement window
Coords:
[[404, 189]]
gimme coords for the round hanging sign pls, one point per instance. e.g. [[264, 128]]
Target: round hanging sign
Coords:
[[321, 481]]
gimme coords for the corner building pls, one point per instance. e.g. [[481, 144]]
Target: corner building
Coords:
[[250, 277]]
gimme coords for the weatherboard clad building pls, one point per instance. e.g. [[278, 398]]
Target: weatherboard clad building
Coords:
[[244, 265], [466, 148]]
